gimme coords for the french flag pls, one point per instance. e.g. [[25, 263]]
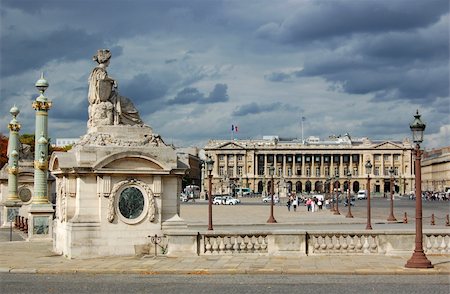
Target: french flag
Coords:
[[234, 128]]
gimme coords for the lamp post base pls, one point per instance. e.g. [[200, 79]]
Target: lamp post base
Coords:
[[271, 220], [418, 260], [369, 227], [349, 215], [391, 218]]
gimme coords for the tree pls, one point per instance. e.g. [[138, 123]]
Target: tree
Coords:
[[3, 150]]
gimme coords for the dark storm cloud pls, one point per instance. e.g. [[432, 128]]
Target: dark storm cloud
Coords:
[[218, 94], [193, 95], [146, 92], [187, 96], [255, 108], [21, 53], [391, 50], [325, 19]]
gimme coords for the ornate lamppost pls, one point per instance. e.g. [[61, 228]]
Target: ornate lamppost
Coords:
[[391, 217], [349, 201], [336, 210], [272, 190], [418, 259], [210, 166], [368, 166]]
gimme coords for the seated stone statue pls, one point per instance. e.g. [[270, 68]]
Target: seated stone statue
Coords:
[[106, 106]]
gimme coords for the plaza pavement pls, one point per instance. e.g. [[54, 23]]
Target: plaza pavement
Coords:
[[20, 256]]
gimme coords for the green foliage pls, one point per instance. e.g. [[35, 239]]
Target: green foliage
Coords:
[[3, 150]]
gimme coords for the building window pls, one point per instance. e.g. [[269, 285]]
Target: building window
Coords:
[[240, 157], [289, 171], [240, 170], [221, 157], [317, 171], [280, 171], [299, 171], [336, 171], [221, 170], [376, 157], [386, 171], [327, 171], [230, 172], [346, 170], [355, 171], [308, 171], [396, 157], [386, 157], [396, 171], [376, 171]]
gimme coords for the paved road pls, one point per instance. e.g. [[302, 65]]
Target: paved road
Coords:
[[187, 284], [253, 211]]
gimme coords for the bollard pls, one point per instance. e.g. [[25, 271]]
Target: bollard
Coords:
[[447, 221], [16, 221], [432, 219], [405, 219]]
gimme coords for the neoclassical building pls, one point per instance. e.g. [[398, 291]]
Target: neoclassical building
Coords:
[[436, 170], [305, 166]]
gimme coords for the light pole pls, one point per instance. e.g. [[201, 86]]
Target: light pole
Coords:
[[210, 166], [418, 259], [336, 210], [368, 172], [349, 213], [391, 217], [271, 218]]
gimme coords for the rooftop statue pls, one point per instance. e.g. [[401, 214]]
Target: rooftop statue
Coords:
[[106, 105]]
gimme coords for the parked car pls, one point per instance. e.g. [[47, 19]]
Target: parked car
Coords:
[[362, 194], [184, 197], [229, 200], [267, 199], [217, 200]]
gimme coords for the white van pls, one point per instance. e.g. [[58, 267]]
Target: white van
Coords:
[[362, 194]]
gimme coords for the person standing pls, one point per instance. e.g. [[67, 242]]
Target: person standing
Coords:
[[295, 203]]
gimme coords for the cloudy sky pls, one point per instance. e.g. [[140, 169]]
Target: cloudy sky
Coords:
[[194, 68]]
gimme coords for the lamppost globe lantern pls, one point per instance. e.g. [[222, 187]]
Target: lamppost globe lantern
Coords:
[[349, 198], [209, 164], [418, 258], [368, 166], [417, 127]]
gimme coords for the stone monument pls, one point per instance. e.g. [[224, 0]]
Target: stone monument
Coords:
[[119, 184]]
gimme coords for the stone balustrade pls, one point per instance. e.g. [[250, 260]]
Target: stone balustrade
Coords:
[[233, 244], [303, 243]]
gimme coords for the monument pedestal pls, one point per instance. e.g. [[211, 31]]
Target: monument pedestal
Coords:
[[40, 222], [116, 187]]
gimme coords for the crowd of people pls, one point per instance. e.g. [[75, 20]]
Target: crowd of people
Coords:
[[312, 203]]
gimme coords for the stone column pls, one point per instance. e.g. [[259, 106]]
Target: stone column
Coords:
[[13, 202], [41, 212]]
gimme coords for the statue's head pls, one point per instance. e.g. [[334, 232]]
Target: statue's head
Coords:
[[102, 56]]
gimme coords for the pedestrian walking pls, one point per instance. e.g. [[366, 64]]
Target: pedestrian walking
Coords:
[[295, 203]]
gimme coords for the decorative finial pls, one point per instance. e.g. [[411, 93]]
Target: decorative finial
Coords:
[[42, 84], [14, 111]]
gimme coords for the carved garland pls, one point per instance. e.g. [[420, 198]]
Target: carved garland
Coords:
[[148, 191]]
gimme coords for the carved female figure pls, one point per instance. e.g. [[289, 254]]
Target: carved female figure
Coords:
[[106, 106]]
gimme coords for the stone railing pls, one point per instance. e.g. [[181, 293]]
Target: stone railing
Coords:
[[211, 244], [437, 243], [301, 243], [341, 243]]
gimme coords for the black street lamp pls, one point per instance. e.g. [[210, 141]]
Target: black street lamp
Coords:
[[271, 218], [418, 259], [210, 166], [336, 180], [391, 217], [349, 200], [368, 172]]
